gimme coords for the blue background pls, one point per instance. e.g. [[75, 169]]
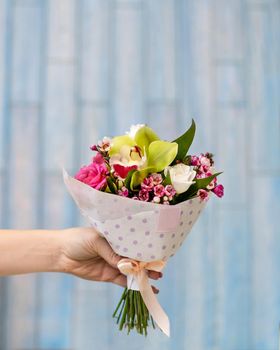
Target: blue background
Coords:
[[72, 71]]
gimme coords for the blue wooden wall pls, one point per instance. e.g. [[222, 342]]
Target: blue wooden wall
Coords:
[[74, 70]]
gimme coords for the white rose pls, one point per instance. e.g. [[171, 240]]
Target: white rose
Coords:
[[181, 176], [133, 130]]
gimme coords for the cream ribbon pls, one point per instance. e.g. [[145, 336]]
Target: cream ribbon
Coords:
[[139, 270]]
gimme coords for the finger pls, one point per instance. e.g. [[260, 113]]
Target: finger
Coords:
[[103, 249], [154, 275], [120, 280]]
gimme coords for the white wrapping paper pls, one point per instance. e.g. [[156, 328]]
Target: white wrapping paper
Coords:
[[139, 230]]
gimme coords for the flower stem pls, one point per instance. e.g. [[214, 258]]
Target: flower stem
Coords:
[[132, 313]]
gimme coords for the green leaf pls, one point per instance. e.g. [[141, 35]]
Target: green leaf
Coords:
[[184, 142], [161, 154], [127, 181], [144, 137], [120, 141], [198, 185], [112, 186], [167, 180]]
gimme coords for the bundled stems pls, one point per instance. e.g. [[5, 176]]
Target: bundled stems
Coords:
[[132, 313]]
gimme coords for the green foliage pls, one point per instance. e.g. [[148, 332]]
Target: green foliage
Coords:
[[161, 154], [184, 142]]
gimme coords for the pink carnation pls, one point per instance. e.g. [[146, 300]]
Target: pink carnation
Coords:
[[195, 161], [159, 190], [169, 191], [147, 183], [144, 195], [93, 175], [157, 179], [203, 194], [219, 190], [123, 192]]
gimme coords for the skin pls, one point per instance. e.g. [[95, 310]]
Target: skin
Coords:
[[78, 251]]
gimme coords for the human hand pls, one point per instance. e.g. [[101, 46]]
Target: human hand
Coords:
[[88, 255]]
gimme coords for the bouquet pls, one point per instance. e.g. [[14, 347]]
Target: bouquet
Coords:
[[143, 195]]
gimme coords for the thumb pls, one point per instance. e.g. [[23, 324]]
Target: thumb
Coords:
[[103, 249]]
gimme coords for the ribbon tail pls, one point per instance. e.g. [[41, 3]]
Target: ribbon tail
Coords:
[[152, 303]]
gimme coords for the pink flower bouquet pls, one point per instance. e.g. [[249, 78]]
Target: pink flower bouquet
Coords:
[[143, 195]]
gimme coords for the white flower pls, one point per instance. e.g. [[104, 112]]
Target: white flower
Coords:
[[181, 176], [133, 130]]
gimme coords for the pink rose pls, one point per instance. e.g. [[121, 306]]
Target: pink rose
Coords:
[[93, 175], [219, 190]]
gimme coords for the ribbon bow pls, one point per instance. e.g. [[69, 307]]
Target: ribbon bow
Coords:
[[138, 270]]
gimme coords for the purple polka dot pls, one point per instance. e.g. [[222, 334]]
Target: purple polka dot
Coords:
[[199, 211], [106, 233], [190, 222], [173, 235], [161, 235], [115, 200], [182, 234], [156, 211], [147, 233], [144, 221], [150, 245], [139, 255], [132, 229], [117, 246], [171, 255], [129, 217], [181, 212], [181, 223], [164, 247], [181, 244], [191, 212], [135, 242], [173, 246], [125, 250], [120, 238], [117, 226], [152, 257], [191, 201]]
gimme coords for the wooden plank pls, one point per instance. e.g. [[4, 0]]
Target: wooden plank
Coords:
[[264, 88], [95, 50], [159, 57], [228, 30], [26, 67], [232, 267], [195, 74], [3, 26], [265, 253], [94, 126], [91, 305], [128, 97], [232, 126], [62, 30], [59, 120], [23, 198], [230, 84]]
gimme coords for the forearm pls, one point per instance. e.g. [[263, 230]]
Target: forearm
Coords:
[[30, 251]]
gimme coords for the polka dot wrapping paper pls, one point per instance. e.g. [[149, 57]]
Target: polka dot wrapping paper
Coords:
[[136, 229]]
